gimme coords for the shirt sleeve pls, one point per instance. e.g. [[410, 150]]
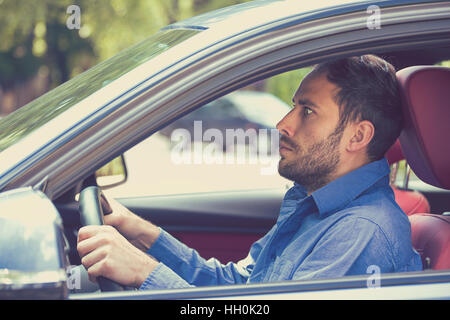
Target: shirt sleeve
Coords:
[[182, 267], [349, 247], [162, 277]]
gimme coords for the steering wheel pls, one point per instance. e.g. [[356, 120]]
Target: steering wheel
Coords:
[[92, 206]]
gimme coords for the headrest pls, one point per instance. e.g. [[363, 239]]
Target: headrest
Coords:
[[394, 154], [425, 137]]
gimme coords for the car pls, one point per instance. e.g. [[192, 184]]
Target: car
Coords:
[[239, 110], [52, 148]]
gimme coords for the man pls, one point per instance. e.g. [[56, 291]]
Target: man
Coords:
[[340, 218]]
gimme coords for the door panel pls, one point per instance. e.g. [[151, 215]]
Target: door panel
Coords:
[[222, 225], [223, 246]]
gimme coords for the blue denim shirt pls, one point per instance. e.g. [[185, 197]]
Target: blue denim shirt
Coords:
[[341, 229]]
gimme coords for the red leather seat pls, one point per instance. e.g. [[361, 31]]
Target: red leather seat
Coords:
[[411, 202], [431, 238], [426, 94]]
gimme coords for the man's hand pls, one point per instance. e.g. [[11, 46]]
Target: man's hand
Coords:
[[141, 233], [105, 252]]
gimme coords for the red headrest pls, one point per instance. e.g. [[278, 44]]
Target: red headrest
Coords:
[[426, 134], [394, 154]]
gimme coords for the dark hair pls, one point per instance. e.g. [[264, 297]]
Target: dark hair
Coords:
[[367, 90]]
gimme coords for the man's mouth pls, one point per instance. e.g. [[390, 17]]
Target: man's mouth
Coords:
[[284, 149], [284, 146]]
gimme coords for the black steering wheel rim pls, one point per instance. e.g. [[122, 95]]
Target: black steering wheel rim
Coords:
[[92, 206]]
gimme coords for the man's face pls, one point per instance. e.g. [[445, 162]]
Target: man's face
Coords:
[[310, 137]]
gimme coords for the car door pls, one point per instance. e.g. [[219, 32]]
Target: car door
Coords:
[[222, 225]]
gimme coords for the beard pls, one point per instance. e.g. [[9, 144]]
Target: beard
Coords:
[[314, 167]]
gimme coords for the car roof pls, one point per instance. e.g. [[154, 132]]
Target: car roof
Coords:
[[258, 12]]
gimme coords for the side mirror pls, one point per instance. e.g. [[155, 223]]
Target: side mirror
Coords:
[[112, 174], [33, 250]]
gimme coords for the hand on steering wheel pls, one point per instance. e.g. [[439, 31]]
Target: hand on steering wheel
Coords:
[[92, 207], [106, 253]]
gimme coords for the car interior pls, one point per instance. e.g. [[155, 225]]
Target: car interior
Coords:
[[411, 201], [224, 224]]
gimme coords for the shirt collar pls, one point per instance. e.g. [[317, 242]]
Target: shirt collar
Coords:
[[340, 192], [297, 192]]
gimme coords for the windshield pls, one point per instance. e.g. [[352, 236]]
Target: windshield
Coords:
[[38, 112]]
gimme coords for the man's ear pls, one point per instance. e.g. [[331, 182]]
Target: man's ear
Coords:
[[363, 133]]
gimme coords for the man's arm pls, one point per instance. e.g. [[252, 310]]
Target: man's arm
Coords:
[[195, 270], [178, 265]]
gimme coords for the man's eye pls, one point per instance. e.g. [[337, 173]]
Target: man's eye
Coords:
[[307, 111]]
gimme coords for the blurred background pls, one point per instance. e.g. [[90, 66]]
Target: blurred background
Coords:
[[38, 52]]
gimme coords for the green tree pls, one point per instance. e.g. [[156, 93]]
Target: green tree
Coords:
[[34, 33], [284, 85]]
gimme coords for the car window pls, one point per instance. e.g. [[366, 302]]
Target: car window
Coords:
[[228, 144]]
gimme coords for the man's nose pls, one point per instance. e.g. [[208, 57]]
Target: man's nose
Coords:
[[283, 126]]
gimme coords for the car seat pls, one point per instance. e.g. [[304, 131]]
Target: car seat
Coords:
[[410, 201], [424, 141]]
